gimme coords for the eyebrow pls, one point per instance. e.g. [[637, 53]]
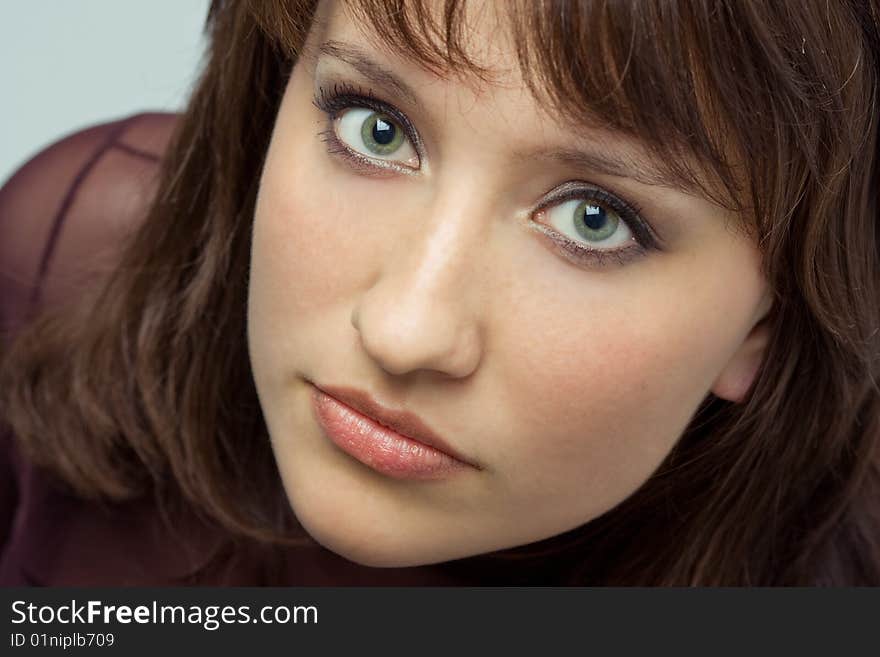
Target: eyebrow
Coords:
[[606, 163], [360, 61], [594, 161]]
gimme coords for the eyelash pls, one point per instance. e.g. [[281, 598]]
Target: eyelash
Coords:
[[344, 96], [645, 239]]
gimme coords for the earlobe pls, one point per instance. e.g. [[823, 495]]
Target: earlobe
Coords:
[[737, 376]]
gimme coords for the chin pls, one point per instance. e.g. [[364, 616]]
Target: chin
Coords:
[[368, 544], [368, 549]]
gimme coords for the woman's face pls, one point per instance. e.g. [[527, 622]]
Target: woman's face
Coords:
[[428, 248]]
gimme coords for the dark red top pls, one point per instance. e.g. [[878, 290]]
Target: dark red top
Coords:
[[56, 213]]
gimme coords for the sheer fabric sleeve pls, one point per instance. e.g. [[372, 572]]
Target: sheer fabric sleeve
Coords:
[[62, 215], [64, 212]]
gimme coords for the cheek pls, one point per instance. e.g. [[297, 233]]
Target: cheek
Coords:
[[609, 373], [310, 250], [292, 258], [311, 255], [297, 242], [306, 248]]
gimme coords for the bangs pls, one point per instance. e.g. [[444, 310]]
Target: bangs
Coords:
[[726, 98], [633, 68]]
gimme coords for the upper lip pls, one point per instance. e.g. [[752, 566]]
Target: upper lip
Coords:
[[403, 422]]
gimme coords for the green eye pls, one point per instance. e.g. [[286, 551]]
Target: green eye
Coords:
[[376, 136], [380, 134], [593, 222], [590, 222]]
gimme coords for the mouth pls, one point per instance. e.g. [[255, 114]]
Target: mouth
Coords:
[[395, 443]]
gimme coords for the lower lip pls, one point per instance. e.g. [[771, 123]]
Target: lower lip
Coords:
[[378, 447]]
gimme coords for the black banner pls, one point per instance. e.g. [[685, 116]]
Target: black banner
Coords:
[[389, 621]]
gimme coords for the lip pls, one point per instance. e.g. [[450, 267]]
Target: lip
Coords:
[[397, 443]]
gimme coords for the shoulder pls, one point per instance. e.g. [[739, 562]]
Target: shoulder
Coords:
[[64, 210]]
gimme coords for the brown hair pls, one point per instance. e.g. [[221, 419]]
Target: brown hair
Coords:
[[776, 102]]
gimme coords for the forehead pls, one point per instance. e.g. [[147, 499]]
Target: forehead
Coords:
[[491, 82], [581, 76], [488, 95], [481, 57]]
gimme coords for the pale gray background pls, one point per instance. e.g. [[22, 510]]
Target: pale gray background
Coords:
[[68, 64]]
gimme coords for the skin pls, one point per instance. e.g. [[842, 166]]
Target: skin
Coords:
[[432, 290]]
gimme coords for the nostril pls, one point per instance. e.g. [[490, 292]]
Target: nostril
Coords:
[[416, 317], [433, 340]]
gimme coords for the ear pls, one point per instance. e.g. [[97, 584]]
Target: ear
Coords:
[[737, 376]]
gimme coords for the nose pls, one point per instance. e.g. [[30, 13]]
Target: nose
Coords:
[[422, 311]]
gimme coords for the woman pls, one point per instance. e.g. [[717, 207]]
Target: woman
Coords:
[[550, 293]]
